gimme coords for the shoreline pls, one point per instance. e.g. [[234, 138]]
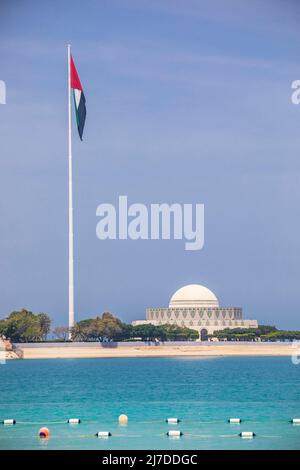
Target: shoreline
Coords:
[[165, 350]]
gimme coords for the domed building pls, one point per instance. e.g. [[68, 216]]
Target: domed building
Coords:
[[197, 307]]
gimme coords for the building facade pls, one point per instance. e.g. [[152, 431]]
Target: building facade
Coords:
[[196, 307]]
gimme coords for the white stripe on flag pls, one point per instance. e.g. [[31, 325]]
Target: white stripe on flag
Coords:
[[77, 97]]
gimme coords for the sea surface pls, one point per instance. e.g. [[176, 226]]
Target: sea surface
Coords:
[[203, 393]]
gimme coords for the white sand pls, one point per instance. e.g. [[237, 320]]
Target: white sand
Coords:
[[204, 350]]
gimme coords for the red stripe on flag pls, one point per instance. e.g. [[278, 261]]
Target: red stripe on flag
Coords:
[[75, 82]]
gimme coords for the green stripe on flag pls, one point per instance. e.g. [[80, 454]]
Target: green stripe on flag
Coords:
[[76, 110]]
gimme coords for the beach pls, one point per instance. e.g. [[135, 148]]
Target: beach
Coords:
[[119, 350]]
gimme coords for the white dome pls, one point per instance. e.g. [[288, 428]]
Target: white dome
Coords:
[[193, 295]]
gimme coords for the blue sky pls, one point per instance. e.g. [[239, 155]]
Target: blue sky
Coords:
[[188, 101]]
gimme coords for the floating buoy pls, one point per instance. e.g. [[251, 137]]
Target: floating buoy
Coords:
[[44, 433], [174, 433], [9, 421], [74, 421], [103, 434], [123, 419], [247, 434], [234, 420], [172, 420], [295, 421]]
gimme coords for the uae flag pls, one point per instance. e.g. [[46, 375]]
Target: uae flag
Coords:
[[79, 99]]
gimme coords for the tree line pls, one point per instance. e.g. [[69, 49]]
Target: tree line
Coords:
[[110, 328], [262, 333], [25, 326]]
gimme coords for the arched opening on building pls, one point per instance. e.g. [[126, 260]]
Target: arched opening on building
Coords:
[[203, 334]]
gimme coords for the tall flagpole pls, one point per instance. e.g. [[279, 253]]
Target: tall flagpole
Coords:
[[71, 248]]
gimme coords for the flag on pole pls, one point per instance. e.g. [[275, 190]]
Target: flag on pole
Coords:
[[79, 99]]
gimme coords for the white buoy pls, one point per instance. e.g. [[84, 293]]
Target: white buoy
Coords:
[[74, 421], [103, 434], [247, 434], [9, 421], [174, 433], [296, 420], [123, 420], [172, 420], [234, 420]]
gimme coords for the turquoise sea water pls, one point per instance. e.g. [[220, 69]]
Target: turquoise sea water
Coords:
[[203, 393]]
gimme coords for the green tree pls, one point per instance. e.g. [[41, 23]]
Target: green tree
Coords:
[[112, 326], [81, 331], [24, 326], [166, 332], [146, 332], [178, 333], [100, 328], [125, 334]]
